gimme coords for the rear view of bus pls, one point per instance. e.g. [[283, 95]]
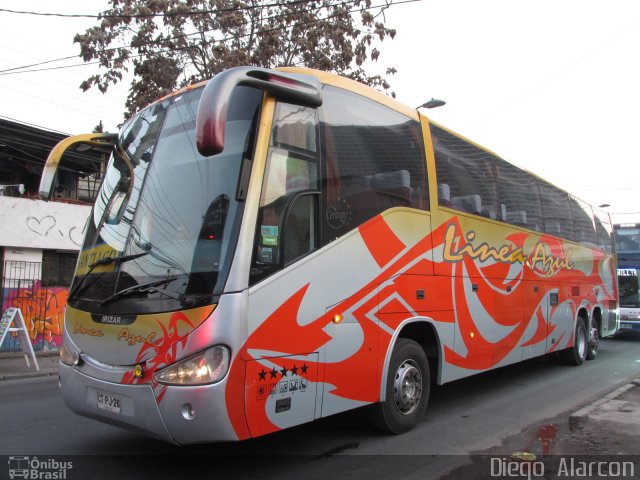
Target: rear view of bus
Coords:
[[278, 246]]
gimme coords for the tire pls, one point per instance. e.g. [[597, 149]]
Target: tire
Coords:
[[594, 340], [577, 354], [407, 389]]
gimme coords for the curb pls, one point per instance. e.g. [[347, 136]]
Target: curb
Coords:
[[583, 412], [22, 376], [582, 415], [20, 354]]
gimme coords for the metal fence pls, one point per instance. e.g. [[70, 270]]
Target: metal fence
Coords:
[[41, 299]]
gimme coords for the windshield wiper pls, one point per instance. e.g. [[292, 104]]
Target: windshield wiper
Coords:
[[102, 261], [149, 287]]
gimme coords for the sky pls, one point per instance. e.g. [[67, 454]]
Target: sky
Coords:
[[552, 86]]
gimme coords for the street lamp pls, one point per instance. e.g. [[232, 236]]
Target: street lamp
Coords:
[[20, 186], [433, 103]]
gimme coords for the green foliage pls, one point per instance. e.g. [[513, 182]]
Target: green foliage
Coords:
[[172, 43]]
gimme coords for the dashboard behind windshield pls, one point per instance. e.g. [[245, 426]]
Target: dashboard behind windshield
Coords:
[[169, 214]]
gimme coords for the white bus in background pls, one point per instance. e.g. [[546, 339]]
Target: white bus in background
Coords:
[[628, 249]]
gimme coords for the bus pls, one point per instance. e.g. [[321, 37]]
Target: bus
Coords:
[[628, 251], [275, 246]]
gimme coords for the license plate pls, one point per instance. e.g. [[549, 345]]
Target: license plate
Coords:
[[108, 401], [626, 326]]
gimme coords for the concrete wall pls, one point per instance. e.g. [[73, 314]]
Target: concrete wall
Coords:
[[35, 224]]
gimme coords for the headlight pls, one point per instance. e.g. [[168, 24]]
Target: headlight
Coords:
[[209, 366], [68, 357]]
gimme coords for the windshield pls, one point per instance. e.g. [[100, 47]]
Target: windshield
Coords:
[[628, 284], [167, 216]]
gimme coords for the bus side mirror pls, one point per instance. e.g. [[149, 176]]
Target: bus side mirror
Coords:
[[211, 119], [101, 141]]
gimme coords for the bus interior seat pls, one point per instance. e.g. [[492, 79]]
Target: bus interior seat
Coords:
[[552, 228], [377, 192], [398, 182], [586, 237], [467, 203], [444, 194], [517, 217], [392, 189], [489, 212]]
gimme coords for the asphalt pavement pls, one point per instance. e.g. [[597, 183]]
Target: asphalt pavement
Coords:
[[609, 425]]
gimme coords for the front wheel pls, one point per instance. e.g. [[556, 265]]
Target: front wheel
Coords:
[[577, 354], [407, 389]]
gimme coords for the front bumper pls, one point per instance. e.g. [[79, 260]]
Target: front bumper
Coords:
[[185, 414], [629, 326]]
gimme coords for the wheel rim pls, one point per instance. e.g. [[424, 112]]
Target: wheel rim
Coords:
[[407, 387], [595, 339]]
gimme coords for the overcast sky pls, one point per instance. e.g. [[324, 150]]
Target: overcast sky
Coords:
[[549, 85]]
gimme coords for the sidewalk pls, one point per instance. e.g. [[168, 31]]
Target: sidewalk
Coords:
[[13, 365], [606, 432]]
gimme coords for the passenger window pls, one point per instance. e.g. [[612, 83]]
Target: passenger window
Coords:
[[518, 196], [583, 228], [287, 215], [466, 176], [556, 211], [603, 230], [373, 160]]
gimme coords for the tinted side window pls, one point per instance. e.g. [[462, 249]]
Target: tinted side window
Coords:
[[583, 229], [519, 198], [555, 208], [466, 177], [373, 160], [603, 230]]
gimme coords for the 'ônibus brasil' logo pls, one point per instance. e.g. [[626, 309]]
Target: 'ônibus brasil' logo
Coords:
[[538, 259]]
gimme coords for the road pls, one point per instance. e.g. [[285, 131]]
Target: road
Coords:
[[467, 416]]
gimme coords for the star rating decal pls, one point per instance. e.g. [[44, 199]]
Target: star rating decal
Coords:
[[284, 372]]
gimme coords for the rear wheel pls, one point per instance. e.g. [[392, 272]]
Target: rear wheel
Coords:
[[407, 389], [594, 340], [577, 354]]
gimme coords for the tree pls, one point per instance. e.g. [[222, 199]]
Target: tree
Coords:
[[172, 43], [99, 128]]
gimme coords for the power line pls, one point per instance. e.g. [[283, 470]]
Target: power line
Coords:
[[33, 125], [39, 63], [176, 37], [152, 15], [47, 69], [205, 43]]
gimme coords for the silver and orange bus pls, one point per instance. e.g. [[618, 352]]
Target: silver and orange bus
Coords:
[[276, 246]]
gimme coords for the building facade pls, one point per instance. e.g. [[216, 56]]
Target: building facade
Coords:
[[39, 241]]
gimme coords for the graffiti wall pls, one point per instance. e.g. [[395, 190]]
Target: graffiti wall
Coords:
[[43, 312], [29, 227]]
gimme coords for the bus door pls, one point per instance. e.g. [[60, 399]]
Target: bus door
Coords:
[[285, 333]]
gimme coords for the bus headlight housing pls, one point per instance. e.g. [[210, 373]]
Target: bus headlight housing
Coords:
[[209, 366], [69, 357]]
